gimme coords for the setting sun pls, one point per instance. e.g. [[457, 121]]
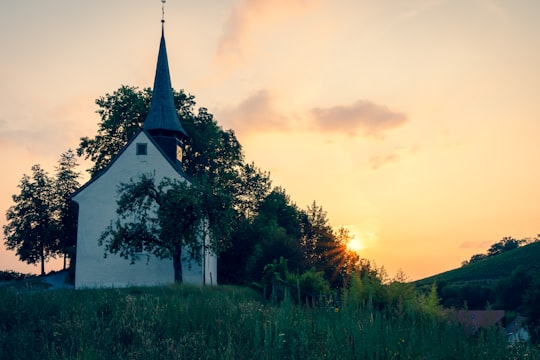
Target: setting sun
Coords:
[[355, 244]]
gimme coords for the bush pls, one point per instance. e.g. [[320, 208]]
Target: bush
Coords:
[[309, 285], [10, 275], [366, 290]]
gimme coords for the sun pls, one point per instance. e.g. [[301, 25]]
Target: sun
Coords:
[[355, 244]]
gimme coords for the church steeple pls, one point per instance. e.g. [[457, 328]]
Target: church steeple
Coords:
[[162, 121]]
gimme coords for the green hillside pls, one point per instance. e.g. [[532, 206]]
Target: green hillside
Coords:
[[492, 268]]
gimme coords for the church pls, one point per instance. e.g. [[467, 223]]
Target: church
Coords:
[[157, 148]]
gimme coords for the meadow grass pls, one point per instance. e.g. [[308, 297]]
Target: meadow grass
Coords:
[[224, 322]]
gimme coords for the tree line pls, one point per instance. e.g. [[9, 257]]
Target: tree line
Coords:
[[506, 244]]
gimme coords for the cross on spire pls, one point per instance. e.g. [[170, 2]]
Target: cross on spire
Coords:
[[163, 11]]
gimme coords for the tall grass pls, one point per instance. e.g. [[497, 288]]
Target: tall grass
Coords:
[[223, 322]]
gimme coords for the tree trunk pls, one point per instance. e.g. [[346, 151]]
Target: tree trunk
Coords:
[[177, 263], [42, 256]]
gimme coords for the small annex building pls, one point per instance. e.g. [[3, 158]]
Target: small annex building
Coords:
[[155, 149]]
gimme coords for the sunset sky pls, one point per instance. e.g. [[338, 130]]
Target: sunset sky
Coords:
[[415, 123]]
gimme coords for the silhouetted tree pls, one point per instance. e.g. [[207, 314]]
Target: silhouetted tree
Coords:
[[506, 244], [33, 221], [122, 115], [275, 233], [65, 184]]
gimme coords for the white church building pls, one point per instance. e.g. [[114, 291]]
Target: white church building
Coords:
[[156, 149]]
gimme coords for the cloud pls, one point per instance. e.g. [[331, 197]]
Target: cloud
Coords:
[[475, 244], [255, 113], [250, 16], [40, 140], [259, 112], [363, 117], [378, 161]]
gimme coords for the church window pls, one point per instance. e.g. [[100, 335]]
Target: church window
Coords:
[[142, 149]]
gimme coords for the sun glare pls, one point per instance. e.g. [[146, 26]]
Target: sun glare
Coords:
[[355, 244]]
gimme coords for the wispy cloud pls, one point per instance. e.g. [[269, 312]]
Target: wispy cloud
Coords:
[[50, 140], [254, 114], [361, 118], [378, 161], [475, 244], [248, 17]]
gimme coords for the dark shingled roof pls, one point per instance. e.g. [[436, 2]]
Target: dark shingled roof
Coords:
[[162, 114]]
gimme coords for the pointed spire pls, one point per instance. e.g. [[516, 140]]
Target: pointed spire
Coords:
[[162, 114]]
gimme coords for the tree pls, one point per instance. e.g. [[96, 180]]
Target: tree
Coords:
[[510, 290], [66, 183], [277, 207], [366, 288], [252, 186], [342, 262], [430, 302], [166, 219], [33, 226], [506, 244], [317, 237], [271, 242], [475, 258], [531, 307], [122, 114], [209, 149], [325, 249], [274, 233]]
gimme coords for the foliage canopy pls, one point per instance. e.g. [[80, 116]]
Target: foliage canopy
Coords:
[[41, 223]]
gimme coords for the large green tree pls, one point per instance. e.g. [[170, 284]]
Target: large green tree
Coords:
[[275, 233], [66, 183], [122, 114], [253, 187], [32, 228], [209, 150], [167, 219]]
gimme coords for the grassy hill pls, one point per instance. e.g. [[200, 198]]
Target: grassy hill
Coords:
[[492, 268]]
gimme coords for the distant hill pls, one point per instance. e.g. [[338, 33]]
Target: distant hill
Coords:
[[491, 268]]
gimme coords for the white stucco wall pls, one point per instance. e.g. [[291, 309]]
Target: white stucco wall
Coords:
[[97, 207]]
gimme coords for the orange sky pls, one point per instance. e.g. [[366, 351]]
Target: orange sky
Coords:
[[415, 123]]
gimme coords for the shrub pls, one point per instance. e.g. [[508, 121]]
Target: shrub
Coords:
[[10, 275]]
